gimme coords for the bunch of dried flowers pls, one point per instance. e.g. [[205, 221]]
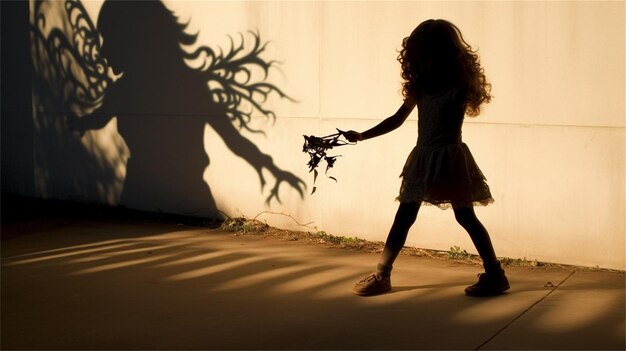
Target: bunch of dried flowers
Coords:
[[317, 148]]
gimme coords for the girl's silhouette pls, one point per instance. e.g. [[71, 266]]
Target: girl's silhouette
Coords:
[[162, 106], [444, 79]]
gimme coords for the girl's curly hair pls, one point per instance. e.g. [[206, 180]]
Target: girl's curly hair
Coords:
[[437, 53]]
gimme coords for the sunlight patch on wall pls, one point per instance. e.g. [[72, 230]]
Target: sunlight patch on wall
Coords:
[[109, 149]]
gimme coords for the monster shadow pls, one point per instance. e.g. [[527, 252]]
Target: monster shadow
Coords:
[[162, 105]]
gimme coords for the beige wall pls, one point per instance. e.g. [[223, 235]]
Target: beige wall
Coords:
[[552, 143]]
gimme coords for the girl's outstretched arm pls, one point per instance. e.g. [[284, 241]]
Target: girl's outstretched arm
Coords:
[[384, 127]]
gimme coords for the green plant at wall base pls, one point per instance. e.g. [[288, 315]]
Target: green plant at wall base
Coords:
[[325, 238], [505, 261], [243, 225], [456, 252]]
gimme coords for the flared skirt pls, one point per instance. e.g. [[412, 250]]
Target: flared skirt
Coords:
[[444, 176]]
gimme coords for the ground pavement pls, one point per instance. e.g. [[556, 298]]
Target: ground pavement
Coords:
[[111, 283]]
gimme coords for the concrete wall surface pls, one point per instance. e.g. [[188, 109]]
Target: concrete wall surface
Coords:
[[552, 142]]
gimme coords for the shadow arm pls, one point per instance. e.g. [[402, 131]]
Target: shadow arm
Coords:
[[247, 150]]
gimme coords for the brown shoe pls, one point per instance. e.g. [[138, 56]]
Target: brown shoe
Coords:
[[373, 284], [488, 285]]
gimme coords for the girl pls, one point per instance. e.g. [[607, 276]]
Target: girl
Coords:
[[444, 79]]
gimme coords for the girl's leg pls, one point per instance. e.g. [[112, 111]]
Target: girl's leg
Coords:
[[494, 280], [405, 217], [466, 217], [380, 282]]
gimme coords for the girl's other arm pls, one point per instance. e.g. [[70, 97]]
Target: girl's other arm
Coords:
[[384, 127]]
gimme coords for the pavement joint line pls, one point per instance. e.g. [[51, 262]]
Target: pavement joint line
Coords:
[[524, 312]]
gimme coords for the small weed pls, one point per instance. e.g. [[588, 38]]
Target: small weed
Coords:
[[505, 261], [324, 238], [243, 225], [455, 252]]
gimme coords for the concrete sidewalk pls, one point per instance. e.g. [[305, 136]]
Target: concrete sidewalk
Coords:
[[122, 284]]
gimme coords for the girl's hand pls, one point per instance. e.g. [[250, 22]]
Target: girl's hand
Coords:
[[353, 136]]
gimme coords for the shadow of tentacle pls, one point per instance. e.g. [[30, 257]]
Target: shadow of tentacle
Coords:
[[161, 98]]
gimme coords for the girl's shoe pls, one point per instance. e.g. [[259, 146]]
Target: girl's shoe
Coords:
[[488, 285], [373, 284]]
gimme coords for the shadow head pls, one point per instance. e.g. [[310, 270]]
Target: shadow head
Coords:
[[141, 35]]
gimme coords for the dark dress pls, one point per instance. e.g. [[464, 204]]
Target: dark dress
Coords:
[[440, 170]]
